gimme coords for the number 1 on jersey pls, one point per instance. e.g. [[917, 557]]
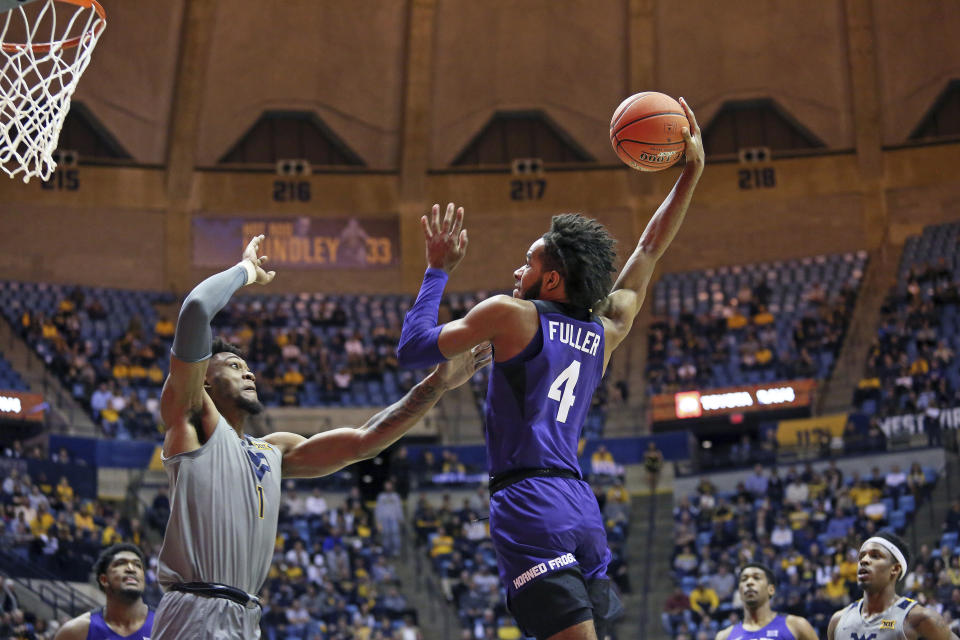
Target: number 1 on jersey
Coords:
[[568, 380]]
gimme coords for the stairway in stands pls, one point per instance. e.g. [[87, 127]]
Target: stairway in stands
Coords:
[[66, 415], [837, 392], [436, 616], [649, 549]]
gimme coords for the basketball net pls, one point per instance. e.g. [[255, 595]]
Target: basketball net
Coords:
[[40, 74]]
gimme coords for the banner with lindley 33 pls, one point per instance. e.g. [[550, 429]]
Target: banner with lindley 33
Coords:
[[300, 242]]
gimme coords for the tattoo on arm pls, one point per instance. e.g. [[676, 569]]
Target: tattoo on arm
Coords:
[[389, 425], [933, 627]]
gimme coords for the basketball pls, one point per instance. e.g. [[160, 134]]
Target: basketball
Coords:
[[645, 131]]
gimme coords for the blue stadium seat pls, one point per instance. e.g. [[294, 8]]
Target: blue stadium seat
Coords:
[[949, 539], [907, 503], [704, 538]]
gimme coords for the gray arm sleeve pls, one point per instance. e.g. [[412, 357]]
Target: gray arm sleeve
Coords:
[[193, 339]]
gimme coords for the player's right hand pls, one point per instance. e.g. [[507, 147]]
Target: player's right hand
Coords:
[[446, 240], [250, 253], [691, 135], [462, 366]]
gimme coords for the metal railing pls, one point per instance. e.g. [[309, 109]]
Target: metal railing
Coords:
[[52, 590]]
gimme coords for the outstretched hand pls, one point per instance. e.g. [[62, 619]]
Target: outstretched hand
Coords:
[[691, 135], [250, 253], [461, 367], [446, 240]]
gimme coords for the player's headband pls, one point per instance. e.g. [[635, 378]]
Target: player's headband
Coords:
[[894, 551]]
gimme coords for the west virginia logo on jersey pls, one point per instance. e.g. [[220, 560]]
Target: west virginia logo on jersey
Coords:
[[258, 444], [854, 636], [259, 463]]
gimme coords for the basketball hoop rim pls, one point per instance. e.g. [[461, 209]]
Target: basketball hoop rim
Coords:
[[72, 42]]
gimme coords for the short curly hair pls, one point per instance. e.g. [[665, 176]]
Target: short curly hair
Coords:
[[222, 346], [103, 562], [582, 251]]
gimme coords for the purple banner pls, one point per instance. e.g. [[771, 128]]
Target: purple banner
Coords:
[[299, 243]]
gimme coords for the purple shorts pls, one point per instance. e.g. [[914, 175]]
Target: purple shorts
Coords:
[[542, 525]]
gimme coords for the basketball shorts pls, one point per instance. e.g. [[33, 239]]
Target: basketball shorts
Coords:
[[185, 616], [552, 554]]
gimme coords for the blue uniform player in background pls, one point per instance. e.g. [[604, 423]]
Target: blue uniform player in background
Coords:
[[119, 571], [757, 586], [552, 340]]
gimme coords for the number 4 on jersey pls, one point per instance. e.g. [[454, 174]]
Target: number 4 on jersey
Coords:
[[568, 380]]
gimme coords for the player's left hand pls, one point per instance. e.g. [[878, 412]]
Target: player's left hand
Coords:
[[691, 135], [250, 253], [446, 240], [461, 367]]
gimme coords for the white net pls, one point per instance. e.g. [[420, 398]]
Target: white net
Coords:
[[45, 48]]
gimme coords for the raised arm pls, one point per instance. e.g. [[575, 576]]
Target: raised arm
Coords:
[[624, 302], [503, 320], [332, 450], [185, 406]]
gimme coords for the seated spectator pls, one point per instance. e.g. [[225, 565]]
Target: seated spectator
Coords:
[[724, 583], [676, 614], [896, 481], [782, 535], [916, 480], [703, 601], [863, 494], [952, 522], [685, 531], [686, 561], [797, 491], [756, 482], [602, 462]]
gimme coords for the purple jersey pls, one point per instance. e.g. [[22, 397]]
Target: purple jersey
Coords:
[[537, 401], [100, 631], [536, 406], [776, 629]]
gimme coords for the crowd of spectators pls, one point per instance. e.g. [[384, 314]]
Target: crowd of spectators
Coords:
[[807, 525], [741, 339], [911, 365], [46, 524], [305, 349], [48, 531], [332, 576], [941, 570]]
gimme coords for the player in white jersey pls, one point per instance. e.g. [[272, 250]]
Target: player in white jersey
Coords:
[[225, 485], [882, 614]]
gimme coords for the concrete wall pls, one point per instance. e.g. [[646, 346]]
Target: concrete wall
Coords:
[[406, 85]]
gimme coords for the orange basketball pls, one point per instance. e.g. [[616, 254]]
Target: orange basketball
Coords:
[[645, 131]]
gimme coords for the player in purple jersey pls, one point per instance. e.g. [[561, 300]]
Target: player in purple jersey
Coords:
[[760, 622], [552, 341], [119, 572]]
